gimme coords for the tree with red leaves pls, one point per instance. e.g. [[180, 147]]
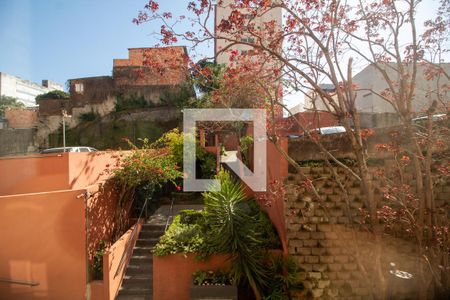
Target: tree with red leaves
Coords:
[[322, 41]]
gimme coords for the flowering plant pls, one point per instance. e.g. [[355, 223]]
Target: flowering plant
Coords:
[[145, 165]]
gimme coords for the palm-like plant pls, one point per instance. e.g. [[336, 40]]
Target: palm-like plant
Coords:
[[235, 229]]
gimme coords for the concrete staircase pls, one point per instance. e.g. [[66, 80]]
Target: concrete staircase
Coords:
[[137, 282]]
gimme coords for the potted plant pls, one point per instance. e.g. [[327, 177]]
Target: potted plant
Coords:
[[213, 284]]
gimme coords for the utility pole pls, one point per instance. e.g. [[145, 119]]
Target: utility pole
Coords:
[[64, 116]]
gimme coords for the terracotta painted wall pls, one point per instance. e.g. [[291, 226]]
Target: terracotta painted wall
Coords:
[[43, 240], [51, 172], [277, 169], [33, 174], [86, 168], [172, 274], [111, 263]]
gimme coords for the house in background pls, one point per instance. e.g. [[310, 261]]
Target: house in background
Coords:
[[376, 112], [140, 95], [24, 90], [223, 11]]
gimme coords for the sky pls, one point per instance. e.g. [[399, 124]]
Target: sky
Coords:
[[64, 39]]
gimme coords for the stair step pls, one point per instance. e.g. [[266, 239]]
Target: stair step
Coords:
[[140, 242], [144, 269], [156, 227], [137, 283], [138, 291], [148, 276], [134, 297], [150, 234], [141, 259], [141, 251]]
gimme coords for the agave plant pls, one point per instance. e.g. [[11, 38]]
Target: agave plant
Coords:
[[236, 231]]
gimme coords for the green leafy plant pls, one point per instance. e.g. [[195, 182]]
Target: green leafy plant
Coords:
[[245, 143], [88, 116], [97, 262], [191, 217], [207, 75], [217, 277], [182, 97], [9, 102], [145, 165], [174, 141], [231, 224], [236, 232], [131, 102], [56, 94], [180, 238], [284, 274]]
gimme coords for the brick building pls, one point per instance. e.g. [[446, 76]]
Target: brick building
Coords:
[[147, 72], [148, 78]]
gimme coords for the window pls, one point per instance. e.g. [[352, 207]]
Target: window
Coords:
[[79, 88]]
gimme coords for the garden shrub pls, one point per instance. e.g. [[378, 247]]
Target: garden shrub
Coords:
[[174, 141], [180, 238], [132, 102], [56, 94], [88, 116]]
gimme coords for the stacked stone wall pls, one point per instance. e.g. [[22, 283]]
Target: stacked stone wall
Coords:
[[328, 240]]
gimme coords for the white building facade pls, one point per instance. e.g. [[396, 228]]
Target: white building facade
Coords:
[[223, 11], [371, 82], [24, 90]]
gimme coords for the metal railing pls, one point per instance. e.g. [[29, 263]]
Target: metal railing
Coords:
[[170, 216], [20, 282], [126, 253]]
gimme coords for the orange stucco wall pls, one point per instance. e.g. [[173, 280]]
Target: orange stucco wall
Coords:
[[33, 174], [277, 168], [87, 168], [111, 263], [43, 240], [52, 172], [172, 274], [43, 225]]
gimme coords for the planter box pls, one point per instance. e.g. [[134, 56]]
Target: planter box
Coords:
[[223, 292]]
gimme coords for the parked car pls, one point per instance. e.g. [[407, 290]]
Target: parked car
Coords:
[[330, 130], [438, 117], [321, 131], [68, 149]]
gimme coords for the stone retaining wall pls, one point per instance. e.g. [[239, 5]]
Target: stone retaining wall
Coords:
[[328, 242]]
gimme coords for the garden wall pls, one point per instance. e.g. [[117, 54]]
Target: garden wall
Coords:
[[304, 149], [52, 172], [51, 221], [33, 174], [330, 247], [43, 240], [111, 263], [172, 274]]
